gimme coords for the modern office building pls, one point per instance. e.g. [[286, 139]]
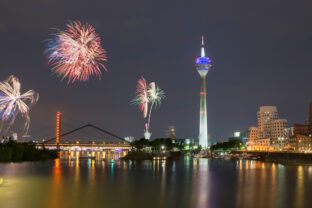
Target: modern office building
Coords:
[[252, 136], [270, 132], [303, 129], [300, 143], [262, 145], [203, 65], [300, 139], [265, 115], [279, 133], [171, 132]]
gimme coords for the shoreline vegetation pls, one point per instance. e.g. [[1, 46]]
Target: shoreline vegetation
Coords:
[[160, 148], [21, 152], [138, 155]]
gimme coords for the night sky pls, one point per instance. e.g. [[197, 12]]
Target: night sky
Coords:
[[261, 55]]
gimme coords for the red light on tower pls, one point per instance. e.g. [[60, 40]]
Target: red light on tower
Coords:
[[58, 126]]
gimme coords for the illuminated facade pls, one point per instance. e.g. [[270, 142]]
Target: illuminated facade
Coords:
[[203, 65], [252, 136], [265, 115], [302, 129], [171, 132], [271, 132], [58, 127], [300, 143], [279, 133], [262, 145]]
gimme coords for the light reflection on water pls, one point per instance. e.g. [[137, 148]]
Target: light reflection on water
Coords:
[[108, 182]]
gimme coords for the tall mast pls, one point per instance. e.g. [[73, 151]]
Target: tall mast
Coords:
[[202, 48]]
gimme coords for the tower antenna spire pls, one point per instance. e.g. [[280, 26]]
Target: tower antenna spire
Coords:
[[202, 54]]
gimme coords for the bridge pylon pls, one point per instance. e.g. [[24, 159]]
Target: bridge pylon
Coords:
[[58, 128]]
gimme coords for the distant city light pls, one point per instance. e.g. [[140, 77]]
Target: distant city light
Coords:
[[187, 141], [237, 134], [129, 138]]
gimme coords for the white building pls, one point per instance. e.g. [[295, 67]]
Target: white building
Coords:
[[252, 136], [280, 133], [271, 130], [265, 115], [171, 132]]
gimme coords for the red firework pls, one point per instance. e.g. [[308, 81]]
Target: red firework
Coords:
[[76, 53], [142, 96]]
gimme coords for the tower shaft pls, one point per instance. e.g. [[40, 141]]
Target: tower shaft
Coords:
[[203, 65], [203, 130]]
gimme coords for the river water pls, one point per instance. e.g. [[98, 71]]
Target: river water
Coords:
[[189, 182]]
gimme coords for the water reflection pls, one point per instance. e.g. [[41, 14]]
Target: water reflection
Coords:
[[260, 184], [203, 185], [102, 180], [55, 199], [98, 155], [299, 187]]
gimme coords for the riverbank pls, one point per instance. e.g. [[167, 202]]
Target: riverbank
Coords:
[[140, 155], [286, 158], [20, 152]]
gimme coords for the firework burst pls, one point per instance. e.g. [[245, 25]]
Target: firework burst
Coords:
[[155, 94], [76, 53], [145, 95], [142, 98], [12, 102]]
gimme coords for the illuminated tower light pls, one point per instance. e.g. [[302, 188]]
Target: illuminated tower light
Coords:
[[58, 127], [203, 65]]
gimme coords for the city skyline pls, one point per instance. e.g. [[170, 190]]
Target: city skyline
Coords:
[[254, 68], [155, 103]]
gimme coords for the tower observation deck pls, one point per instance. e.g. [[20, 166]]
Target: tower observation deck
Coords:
[[203, 65]]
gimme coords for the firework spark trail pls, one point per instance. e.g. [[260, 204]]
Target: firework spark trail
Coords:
[[145, 95], [13, 102], [76, 53], [142, 96], [155, 97]]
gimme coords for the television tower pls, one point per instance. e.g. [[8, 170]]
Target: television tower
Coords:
[[203, 65]]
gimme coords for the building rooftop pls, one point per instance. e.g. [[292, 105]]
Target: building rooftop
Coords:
[[268, 108], [297, 136]]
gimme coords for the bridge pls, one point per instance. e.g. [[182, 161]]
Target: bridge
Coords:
[[60, 142]]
